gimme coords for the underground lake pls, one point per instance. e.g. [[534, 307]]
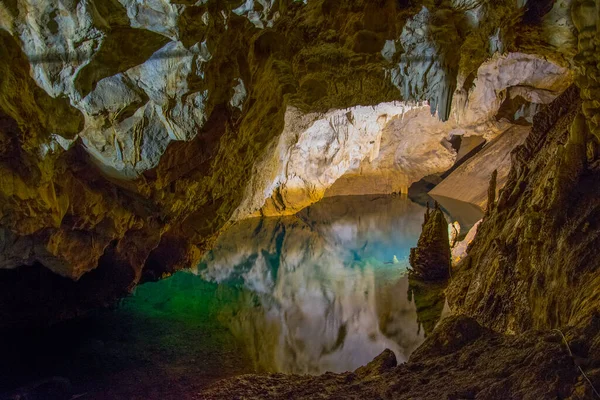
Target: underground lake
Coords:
[[323, 290]]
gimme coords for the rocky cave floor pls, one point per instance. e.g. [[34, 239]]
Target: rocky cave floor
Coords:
[[460, 360]]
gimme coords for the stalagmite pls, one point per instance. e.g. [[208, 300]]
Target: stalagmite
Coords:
[[430, 260]]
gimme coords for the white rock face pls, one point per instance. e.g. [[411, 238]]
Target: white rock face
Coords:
[[411, 147], [59, 38], [313, 151], [159, 16], [427, 69], [164, 109], [534, 78], [130, 117]]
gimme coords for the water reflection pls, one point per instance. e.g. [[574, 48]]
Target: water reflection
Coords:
[[330, 284], [430, 300]]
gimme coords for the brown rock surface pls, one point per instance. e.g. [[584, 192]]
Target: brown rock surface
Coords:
[[469, 182], [136, 156], [430, 260]]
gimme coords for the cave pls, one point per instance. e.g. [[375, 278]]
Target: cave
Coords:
[[299, 199]]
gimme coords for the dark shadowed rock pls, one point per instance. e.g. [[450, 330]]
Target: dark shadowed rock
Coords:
[[380, 364], [492, 191], [430, 260]]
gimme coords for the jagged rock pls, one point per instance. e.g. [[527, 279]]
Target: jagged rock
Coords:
[[430, 260], [380, 364], [534, 256], [532, 239]]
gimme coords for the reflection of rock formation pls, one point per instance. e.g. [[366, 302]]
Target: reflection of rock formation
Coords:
[[327, 280], [429, 298]]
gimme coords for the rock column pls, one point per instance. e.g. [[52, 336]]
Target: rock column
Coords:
[[430, 260]]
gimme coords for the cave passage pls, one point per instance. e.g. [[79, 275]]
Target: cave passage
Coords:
[[323, 290]]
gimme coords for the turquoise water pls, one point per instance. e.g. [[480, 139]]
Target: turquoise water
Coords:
[[324, 290]]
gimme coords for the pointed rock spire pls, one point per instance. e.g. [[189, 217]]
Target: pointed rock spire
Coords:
[[430, 260]]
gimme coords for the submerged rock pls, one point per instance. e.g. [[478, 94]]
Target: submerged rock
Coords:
[[430, 260]]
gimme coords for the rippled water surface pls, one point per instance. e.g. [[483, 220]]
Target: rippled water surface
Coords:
[[324, 290]]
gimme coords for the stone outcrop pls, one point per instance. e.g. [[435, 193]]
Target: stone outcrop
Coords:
[[430, 260], [469, 182]]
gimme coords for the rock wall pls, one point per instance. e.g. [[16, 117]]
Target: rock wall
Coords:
[[468, 183], [535, 248]]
